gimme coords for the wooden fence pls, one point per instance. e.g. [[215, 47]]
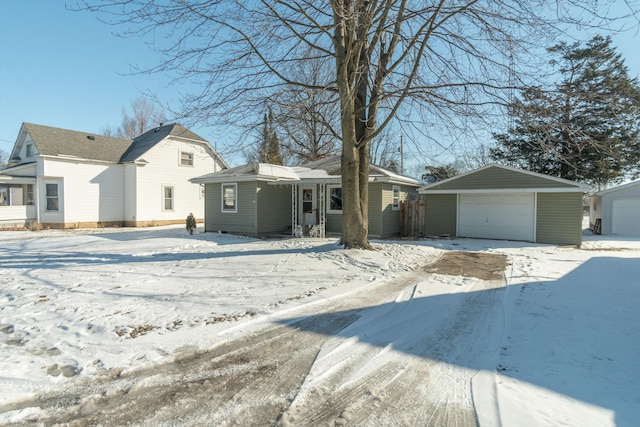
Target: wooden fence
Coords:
[[412, 217]]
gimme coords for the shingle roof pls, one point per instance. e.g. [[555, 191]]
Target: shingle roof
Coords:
[[143, 143], [51, 141]]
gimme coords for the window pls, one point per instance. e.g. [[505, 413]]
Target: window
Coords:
[[29, 192], [29, 150], [229, 198], [186, 158], [335, 199], [51, 193], [202, 191], [167, 198], [395, 198]]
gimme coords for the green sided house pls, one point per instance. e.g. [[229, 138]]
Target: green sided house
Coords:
[[262, 199], [500, 202]]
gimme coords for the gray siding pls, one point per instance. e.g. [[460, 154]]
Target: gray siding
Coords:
[[498, 178], [274, 208], [559, 218], [441, 214], [243, 221]]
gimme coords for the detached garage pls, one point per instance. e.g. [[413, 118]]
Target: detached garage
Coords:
[[500, 202], [618, 209]]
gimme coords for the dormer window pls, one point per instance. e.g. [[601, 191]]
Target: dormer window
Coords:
[[186, 158], [29, 150]]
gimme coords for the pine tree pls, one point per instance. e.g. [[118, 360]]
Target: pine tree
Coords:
[[269, 151], [587, 127]]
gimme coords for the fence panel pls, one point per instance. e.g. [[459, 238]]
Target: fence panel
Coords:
[[412, 217]]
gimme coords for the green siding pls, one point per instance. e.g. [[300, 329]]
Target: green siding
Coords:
[[440, 214], [559, 218], [383, 220], [243, 221], [391, 217], [375, 210], [274, 208], [499, 178], [334, 223]]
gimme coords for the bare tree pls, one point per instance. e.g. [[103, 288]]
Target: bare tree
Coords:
[[4, 158], [422, 61], [144, 116]]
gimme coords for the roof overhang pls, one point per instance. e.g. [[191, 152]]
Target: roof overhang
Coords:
[[9, 179], [507, 190]]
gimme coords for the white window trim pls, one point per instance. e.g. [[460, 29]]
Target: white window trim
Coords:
[[173, 198], [395, 201], [329, 188], [235, 197], [192, 158], [46, 197]]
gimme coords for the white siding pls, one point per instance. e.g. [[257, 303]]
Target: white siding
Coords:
[[130, 192], [163, 168], [623, 192], [92, 192]]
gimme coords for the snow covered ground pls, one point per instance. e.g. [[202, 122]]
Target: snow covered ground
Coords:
[[560, 343]]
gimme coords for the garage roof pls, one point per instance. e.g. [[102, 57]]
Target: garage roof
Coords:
[[498, 178]]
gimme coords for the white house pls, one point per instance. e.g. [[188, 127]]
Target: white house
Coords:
[[616, 210], [67, 179]]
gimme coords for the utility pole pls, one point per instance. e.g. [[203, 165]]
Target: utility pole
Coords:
[[401, 156]]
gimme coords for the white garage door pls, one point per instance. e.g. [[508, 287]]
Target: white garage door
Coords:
[[497, 216], [625, 218]]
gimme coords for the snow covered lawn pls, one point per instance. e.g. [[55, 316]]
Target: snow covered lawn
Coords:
[[558, 340]]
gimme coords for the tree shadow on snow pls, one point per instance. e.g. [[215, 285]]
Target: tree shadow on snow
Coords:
[[577, 336]]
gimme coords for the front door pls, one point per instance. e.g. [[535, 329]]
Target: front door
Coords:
[[308, 205]]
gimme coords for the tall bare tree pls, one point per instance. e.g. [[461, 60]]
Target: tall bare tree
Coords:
[[415, 59], [144, 115]]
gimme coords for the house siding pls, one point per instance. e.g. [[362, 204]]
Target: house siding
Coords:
[[243, 221], [130, 193], [163, 169], [274, 208], [390, 225], [498, 178], [92, 193], [559, 218], [607, 204], [441, 214], [375, 209]]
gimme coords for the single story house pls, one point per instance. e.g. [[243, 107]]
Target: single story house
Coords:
[[500, 202], [616, 210], [68, 179], [262, 199]]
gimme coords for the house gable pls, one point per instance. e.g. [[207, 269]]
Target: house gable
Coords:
[[56, 142], [502, 178]]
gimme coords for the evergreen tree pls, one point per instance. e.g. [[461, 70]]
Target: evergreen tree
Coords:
[[438, 173], [269, 151], [586, 128]]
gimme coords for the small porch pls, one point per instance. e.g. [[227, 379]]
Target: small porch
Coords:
[[18, 206], [309, 206]]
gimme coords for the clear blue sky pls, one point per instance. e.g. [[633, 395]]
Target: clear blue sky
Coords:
[[65, 69]]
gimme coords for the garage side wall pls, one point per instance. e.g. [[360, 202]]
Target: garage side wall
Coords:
[[559, 218], [607, 204], [441, 214]]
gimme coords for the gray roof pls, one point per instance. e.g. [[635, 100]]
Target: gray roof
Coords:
[[326, 170], [50, 141], [143, 143]]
